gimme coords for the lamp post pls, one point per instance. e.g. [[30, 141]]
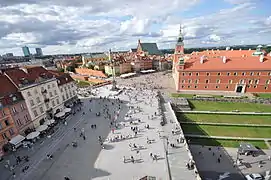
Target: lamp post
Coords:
[[114, 83]]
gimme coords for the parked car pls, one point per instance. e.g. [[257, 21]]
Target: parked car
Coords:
[[255, 176]]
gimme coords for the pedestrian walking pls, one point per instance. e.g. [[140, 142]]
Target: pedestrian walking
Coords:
[[65, 123]]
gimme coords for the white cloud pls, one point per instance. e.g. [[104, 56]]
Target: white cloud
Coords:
[[62, 26]]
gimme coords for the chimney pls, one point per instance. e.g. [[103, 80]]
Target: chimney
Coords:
[[224, 59], [261, 58], [202, 58]]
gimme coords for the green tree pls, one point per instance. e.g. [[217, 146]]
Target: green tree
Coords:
[[71, 69], [61, 70]]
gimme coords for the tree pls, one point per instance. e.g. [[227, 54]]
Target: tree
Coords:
[[71, 69], [90, 66], [61, 70]]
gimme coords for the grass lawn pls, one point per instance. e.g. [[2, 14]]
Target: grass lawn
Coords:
[[83, 83], [225, 143], [237, 119], [231, 131], [264, 95], [176, 95], [229, 106]]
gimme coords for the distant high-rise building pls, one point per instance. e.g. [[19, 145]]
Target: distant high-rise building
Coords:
[[39, 51], [26, 51]]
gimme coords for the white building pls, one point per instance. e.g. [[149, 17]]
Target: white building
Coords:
[[40, 90]]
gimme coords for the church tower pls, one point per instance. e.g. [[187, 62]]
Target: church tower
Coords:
[[179, 49]]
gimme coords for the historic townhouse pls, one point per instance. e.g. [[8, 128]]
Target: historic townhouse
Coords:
[[228, 70], [40, 90], [67, 87]]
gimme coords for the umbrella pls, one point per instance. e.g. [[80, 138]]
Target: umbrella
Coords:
[[33, 135], [67, 110], [41, 128], [60, 114], [49, 122]]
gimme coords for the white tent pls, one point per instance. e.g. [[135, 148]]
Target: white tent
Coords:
[[33, 135], [67, 110], [41, 128], [49, 122], [60, 114], [17, 140]]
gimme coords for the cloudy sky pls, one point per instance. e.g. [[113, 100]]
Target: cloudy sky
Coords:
[[72, 26]]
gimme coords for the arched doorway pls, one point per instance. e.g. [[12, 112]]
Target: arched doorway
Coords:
[[239, 89]]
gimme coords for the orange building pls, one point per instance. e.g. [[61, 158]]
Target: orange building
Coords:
[[237, 71]]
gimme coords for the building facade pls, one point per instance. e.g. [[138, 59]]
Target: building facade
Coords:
[[26, 51], [39, 52], [237, 71], [40, 90]]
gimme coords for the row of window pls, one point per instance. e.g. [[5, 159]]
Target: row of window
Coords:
[[26, 119], [217, 87], [6, 122], [11, 132], [242, 81], [228, 74], [14, 110], [47, 107]]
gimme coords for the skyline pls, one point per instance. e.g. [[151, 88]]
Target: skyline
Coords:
[[79, 26]]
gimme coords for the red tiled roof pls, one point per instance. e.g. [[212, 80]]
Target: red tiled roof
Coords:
[[62, 77], [90, 72], [232, 63], [7, 86]]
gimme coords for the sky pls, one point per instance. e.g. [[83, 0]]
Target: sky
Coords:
[[77, 26]]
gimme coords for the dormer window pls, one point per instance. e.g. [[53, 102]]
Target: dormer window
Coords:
[[28, 93]]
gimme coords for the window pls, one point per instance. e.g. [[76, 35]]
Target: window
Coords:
[[36, 92], [55, 92], [48, 86], [3, 113], [196, 87], [227, 87], [14, 98], [4, 136], [13, 110], [53, 85], [61, 89], [183, 87], [257, 81], [35, 113], [243, 73], [183, 74], [250, 81], [7, 122], [251, 73], [47, 105], [189, 81], [248, 86], [218, 81], [42, 89], [22, 107], [208, 74], [269, 73], [230, 81], [205, 87], [26, 118], [63, 97], [41, 110], [53, 103], [31, 102], [235, 74], [19, 122], [258, 74], [219, 74], [188, 86], [267, 81], [51, 94], [255, 86], [216, 87], [11, 131], [207, 81], [57, 101], [1, 126], [197, 74], [196, 81], [38, 99], [228, 74], [28, 93], [190, 74], [265, 87], [183, 81], [242, 81]]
